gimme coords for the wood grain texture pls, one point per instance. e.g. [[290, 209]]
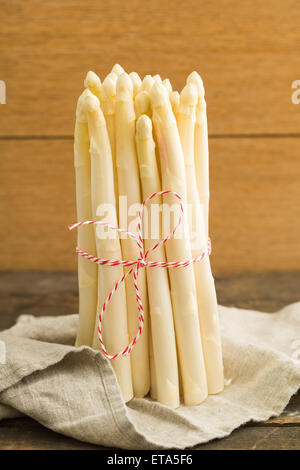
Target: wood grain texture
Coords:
[[254, 192], [41, 293], [247, 53], [38, 204], [263, 438], [254, 201], [52, 293], [26, 434]]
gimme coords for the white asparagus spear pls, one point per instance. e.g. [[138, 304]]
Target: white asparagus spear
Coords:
[[175, 101], [174, 97], [147, 83], [136, 82], [206, 293], [117, 69], [161, 315], [87, 271], [108, 105], [93, 83], [129, 186], [114, 326], [183, 288], [142, 105], [201, 147]]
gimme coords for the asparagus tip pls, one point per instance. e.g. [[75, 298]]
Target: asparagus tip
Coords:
[[195, 78], [136, 82], [112, 75], [142, 103], [135, 78], [93, 82], [147, 83], [157, 78], [189, 95], [124, 87], [159, 95], [118, 70], [144, 127], [166, 82], [108, 88], [175, 98], [80, 112], [91, 102]]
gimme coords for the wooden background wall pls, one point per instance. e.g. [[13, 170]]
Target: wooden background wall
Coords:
[[248, 55]]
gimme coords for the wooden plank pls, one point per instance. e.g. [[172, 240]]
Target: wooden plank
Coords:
[[247, 53], [27, 434], [267, 292], [254, 188], [36, 293], [55, 293], [258, 438]]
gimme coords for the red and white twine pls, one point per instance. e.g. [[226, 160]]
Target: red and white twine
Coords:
[[136, 265]]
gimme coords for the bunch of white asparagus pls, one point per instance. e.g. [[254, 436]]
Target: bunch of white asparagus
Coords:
[[135, 137]]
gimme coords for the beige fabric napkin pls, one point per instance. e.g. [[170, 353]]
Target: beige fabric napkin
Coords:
[[75, 392]]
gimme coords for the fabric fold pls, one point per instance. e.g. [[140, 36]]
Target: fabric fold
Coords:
[[74, 391]]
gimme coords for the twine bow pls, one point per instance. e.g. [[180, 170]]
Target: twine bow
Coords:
[[136, 265]]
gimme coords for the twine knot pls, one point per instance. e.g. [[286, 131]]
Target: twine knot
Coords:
[[142, 262]]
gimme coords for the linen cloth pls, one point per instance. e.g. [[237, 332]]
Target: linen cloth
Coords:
[[75, 391]]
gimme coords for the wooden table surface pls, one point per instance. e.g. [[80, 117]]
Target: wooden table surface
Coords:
[[41, 293]]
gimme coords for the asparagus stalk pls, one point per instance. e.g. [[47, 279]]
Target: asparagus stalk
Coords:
[[201, 147], [183, 288], [206, 293], [142, 105], [161, 315], [136, 82], [174, 100], [115, 333], [108, 104], [87, 271], [93, 83], [129, 186]]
